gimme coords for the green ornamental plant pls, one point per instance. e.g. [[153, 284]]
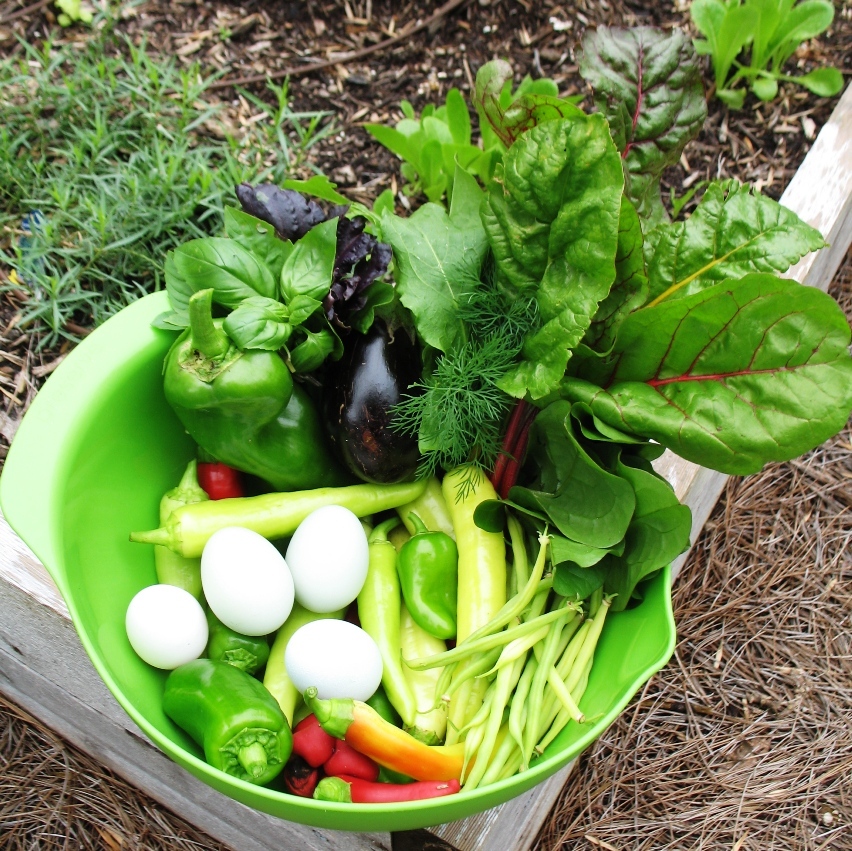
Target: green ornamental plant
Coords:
[[769, 32]]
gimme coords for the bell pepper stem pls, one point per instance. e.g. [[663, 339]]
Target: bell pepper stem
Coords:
[[379, 535], [253, 759], [334, 716], [211, 341]]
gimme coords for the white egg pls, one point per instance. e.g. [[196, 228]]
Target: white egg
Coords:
[[328, 557], [166, 626], [246, 581], [337, 657]]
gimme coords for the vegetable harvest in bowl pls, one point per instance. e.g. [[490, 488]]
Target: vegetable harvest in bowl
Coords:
[[446, 425]]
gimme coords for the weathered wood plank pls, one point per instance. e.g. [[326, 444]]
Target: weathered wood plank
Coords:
[[53, 678]]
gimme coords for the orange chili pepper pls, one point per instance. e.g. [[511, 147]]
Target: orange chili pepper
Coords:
[[360, 726]]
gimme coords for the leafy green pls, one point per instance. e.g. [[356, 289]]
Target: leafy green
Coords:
[[259, 323], [649, 87], [257, 237], [509, 115], [658, 533], [309, 268], [732, 232], [772, 31], [438, 258], [574, 582], [220, 264], [553, 232], [733, 376], [584, 501]]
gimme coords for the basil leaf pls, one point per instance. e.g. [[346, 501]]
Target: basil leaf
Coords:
[[301, 308], [259, 323], [648, 85], [438, 257], [732, 377], [313, 350], [378, 294], [258, 237], [309, 269], [658, 533], [220, 264], [731, 232], [630, 289], [553, 230], [585, 502]]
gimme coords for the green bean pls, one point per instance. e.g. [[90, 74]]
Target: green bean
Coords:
[[557, 724], [505, 751], [520, 560], [474, 668], [518, 707]]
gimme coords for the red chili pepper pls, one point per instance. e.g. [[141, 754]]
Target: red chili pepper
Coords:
[[312, 743], [353, 790], [219, 480], [346, 761], [299, 777]]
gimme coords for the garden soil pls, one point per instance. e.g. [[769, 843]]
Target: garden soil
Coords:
[[744, 741]]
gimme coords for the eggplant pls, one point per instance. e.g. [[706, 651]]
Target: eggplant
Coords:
[[377, 369]]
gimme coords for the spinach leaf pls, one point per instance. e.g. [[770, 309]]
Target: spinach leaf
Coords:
[[220, 264], [577, 583], [309, 269], [731, 377], [732, 232], [648, 85], [658, 533], [585, 502], [438, 258], [553, 231]]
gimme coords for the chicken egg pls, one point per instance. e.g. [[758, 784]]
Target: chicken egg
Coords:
[[337, 657], [246, 581], [166, 626], [328, 557]]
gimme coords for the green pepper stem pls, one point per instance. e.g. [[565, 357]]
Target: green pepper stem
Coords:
[[211, 341], [379, 535], [153, 536], [420, 527], [334, 716], [253, 759]]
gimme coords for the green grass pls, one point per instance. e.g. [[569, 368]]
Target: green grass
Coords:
[[108, 143]]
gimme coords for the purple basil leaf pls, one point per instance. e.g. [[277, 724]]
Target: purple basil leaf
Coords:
[[648, 85], [290, 213]]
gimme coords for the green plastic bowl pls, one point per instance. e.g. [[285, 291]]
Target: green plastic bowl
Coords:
[[90, 461]]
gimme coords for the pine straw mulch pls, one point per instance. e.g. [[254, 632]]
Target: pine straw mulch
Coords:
[[742, 743]]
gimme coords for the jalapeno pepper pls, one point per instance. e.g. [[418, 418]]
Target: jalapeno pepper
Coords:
[[246, 652], [232, 716], [243, 408], [428, 573]]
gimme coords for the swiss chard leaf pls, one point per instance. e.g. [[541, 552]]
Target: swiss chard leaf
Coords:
[[648, 85], [586, 503], [732, 232], [220, 264], [510, 117], [658, 533], [553, 231], [438, 259], [630, 289], [731, 377]]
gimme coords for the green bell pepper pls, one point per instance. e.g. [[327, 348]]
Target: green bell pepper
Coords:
[[249, 653], [428, 575], [243, 407], [232, 716]]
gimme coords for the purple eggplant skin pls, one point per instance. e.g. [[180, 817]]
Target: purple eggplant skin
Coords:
[[377, 369]]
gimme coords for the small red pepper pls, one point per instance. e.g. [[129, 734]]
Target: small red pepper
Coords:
[[300, 778], [356, 791], [312, 743], [219, 480], [346, 761]]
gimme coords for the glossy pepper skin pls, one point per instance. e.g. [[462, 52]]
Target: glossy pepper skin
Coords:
[[246, 652], [243, 408], [232, 716], [428, 573]]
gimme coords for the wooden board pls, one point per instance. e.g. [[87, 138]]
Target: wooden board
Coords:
[[44, 669]]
